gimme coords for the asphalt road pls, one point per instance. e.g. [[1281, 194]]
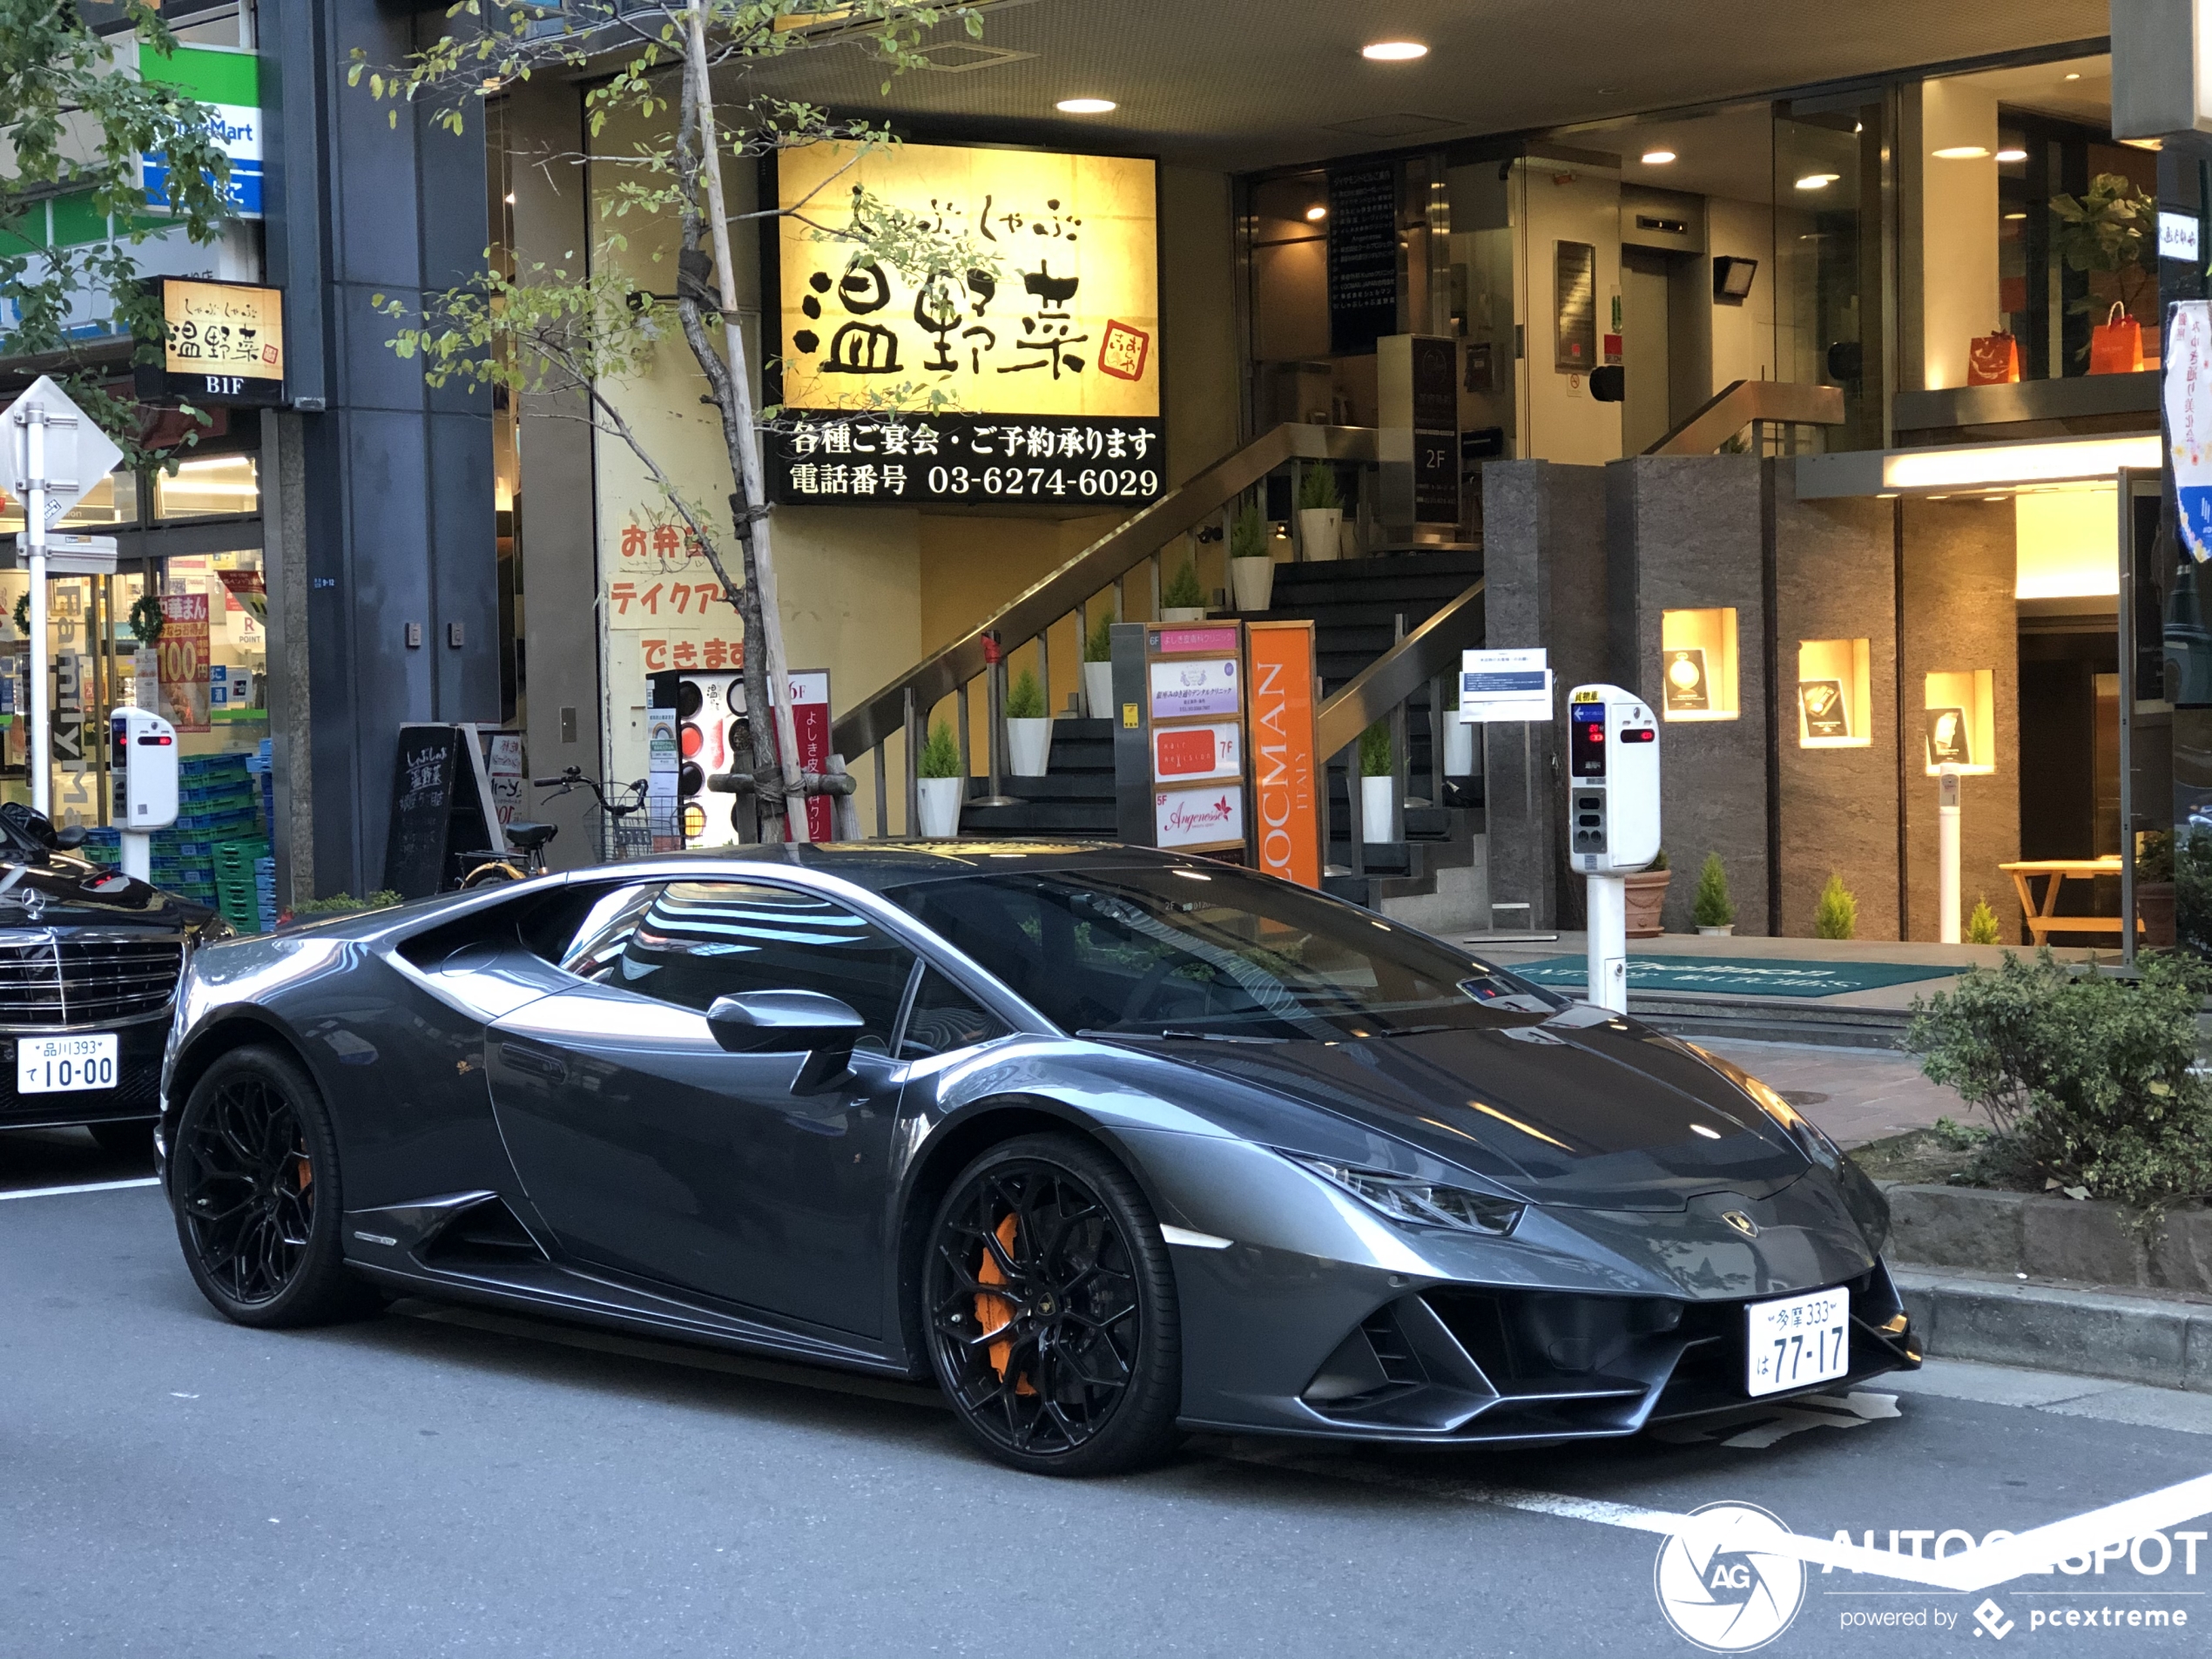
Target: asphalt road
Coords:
[[436, 1482]]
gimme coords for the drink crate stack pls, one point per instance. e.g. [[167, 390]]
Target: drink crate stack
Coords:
[[216, 805]]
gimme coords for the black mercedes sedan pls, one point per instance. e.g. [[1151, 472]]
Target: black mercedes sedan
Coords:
[[90, 960], [1110, 1143]]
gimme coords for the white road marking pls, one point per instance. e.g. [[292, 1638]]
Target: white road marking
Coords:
[[87, 1186], [1981, 1567]]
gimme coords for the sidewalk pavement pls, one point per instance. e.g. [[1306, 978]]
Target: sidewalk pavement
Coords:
[[1854, 1095]]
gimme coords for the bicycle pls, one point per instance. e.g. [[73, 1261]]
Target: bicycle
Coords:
[[529, 839]]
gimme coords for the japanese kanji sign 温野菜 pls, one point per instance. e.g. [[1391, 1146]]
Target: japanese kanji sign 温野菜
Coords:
[[1046, 367]]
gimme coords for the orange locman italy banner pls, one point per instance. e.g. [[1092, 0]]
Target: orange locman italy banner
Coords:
[[1289, 804]]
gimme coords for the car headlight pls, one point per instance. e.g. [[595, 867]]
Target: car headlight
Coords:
[[1421, 1203], [1811, 1139]]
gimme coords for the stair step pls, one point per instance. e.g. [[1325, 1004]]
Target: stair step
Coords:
[[1085, 819], [1053, 786]]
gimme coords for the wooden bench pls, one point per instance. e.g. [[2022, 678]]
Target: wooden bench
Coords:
[[2043, 918]]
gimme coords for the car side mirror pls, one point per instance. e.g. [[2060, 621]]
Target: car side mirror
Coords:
[[808, 1023]]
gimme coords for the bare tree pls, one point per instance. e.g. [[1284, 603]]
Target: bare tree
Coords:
[[548, 330]]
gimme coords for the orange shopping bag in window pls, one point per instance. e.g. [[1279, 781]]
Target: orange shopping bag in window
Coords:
[[1994, 360], [2116, 344]]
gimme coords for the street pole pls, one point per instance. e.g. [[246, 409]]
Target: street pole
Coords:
[[34, 526], [1607, 942]]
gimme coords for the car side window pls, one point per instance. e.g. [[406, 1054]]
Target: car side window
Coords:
[[945, 1018], [688, 942]]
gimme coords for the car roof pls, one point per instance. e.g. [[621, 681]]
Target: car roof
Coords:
[[879, 865]]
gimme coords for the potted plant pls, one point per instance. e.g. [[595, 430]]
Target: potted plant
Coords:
[[2106, 232], [1378, 781], [2155, 888], [1098, 667], [1183, 599], [1645, 895], [939, 785], [1981, 924], [1251, 572], [1320, 512], [1028, 728], [1836, 914], [1714, 911]]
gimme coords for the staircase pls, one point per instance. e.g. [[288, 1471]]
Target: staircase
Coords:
[[1359, 608]]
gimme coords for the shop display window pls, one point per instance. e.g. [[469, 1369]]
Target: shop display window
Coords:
[[208, 487], [1834, 686], [1960, 723], [1697, 677]]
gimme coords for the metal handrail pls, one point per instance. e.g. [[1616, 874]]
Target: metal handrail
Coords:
[[878, 717], [1431, 650], [1742, 403]]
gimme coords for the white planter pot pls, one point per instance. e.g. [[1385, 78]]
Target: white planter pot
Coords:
[[1458, 746], [1098, 690], [1375, 801], [1028, 747], [1725, 931], [1253, 582], [1317, 528], [1183, 613], [939, 803]]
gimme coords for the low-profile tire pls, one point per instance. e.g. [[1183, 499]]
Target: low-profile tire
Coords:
[[1050, 1310], [132, 1136], [253, 1178]]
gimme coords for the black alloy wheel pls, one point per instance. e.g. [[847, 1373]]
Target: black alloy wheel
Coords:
[[1050, 1309], [254, 1182]]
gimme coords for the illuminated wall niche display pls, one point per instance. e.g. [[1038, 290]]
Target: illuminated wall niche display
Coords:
[[1698, 664], [1959, 723], [1833, 686]]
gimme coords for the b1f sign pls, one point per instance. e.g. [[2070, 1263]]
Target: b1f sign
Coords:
[[1497, 685]]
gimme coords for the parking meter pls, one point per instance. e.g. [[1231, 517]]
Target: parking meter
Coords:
[[142, 764], [1612, 820]]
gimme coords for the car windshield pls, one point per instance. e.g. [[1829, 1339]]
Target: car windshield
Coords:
[[1161, 951]]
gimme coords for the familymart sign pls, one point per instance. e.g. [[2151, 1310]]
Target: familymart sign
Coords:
[[229, 84]]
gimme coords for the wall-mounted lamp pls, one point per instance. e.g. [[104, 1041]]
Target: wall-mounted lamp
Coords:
[[1732, 279]]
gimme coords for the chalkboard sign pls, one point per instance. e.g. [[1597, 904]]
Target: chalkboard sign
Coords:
[[1363, 257], [438, 795]]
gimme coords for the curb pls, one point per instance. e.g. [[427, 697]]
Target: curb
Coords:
[[2162, 1341], [1800, 1020]]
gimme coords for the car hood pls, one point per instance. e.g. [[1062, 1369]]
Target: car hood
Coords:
[[1583, 1110], [67, 891]]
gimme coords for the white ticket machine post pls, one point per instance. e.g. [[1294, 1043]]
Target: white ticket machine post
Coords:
[[1947, 851], [144, 765], [1612, 819]]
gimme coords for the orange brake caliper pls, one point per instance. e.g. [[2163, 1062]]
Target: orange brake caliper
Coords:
[[994, 1313]]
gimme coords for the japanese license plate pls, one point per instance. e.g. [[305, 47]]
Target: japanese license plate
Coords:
[[51, 1065], [1800, 1340]]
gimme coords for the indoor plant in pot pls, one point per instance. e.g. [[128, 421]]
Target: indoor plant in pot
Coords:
[[1098, 667], [1646, 892], [1183, 599], [1320, 512], [939, 785], [1251, 572], [1713, 910], [1458, 740], [1378, 781], [1028, 727], [2155, 887]]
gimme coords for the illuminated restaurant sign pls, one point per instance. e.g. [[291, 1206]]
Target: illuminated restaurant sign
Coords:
[[1048, 368], [225, 344]]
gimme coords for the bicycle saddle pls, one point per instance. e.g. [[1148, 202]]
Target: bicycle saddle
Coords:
[[529, 838]]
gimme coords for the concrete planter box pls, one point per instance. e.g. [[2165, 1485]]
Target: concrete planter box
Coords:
[[2043, 1236]]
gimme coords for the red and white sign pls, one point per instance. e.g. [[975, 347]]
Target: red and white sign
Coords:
[[1183, 754], [1199, 817], [810, 720], [183, 648]]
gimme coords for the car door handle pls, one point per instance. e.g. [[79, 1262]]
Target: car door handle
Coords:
[[530, 1060]]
